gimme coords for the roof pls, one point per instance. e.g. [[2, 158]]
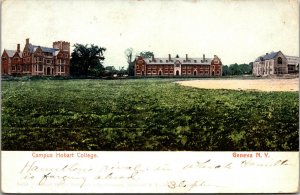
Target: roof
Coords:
[[268, 56], [181, 60], [32, 49], [10, 53], [293, 59]]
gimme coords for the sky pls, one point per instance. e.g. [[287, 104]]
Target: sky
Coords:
[[237, 31]]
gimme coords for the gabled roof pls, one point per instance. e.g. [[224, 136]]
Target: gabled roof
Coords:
[[268, 56], [10, 53], [181, 60], [20, 54]]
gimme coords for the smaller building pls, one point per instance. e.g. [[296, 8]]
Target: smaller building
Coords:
[[275, 63], [11, 59]]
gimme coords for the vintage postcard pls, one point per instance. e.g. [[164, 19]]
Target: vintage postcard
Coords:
[[140, 96]]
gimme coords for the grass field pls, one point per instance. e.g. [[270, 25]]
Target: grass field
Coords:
[[144, 114]]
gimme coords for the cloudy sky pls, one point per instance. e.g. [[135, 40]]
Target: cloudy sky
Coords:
[[235, 30]]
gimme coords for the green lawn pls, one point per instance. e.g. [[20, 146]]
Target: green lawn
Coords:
[[144, 114]]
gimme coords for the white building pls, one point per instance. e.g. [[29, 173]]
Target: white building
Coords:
[[275, 63]]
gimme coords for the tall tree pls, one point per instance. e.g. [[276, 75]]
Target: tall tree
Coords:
[[130, 61], [87, 60]]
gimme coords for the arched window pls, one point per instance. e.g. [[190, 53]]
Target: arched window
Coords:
[[279, 60], [195, 73]]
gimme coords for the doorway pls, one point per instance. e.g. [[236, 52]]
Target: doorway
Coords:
[[48, 71], [177, 73]]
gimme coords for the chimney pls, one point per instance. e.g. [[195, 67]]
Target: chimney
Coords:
[[186, 57], [18, 48], [27, 41], [203, 56], [169, 57]]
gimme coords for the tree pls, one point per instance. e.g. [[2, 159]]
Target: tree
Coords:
[[131, 62], [226, 70], [146, 54], [110, 71], [87, 60], [129, 55]]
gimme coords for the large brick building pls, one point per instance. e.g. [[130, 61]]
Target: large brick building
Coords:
[[275, 63], [37, 60], [176, 66]]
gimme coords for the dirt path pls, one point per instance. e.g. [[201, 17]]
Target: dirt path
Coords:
[[255, 84]]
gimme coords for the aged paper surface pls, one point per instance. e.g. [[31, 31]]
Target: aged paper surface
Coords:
[[142, 172]]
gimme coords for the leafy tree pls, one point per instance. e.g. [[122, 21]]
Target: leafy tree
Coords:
[[87, 60], [146, 54], [237, 69], [110, 70], [226, 70]]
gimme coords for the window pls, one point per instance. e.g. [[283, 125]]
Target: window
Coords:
[[4, 58], [62, 68], [279, 60], [19, 67], [40, 67], [195, 61], [13, 67]]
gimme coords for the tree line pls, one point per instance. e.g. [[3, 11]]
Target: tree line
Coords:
[[237, 69], [87, 60]]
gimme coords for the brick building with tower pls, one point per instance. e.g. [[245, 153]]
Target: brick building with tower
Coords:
[[37, 60], [176, 66]]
